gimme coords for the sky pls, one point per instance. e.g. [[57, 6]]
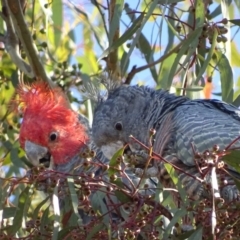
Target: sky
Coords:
[[137, 58]]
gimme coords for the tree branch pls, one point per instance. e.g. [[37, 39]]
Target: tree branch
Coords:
[[21, 30]]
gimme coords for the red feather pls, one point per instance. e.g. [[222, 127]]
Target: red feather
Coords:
[[47, 110]]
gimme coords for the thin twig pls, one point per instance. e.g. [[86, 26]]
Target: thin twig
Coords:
[[166, 161]]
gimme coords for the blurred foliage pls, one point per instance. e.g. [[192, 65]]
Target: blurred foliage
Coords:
[[189, 47]]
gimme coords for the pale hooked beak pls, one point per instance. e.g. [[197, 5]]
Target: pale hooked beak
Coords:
[[37, 154], [110, 149]]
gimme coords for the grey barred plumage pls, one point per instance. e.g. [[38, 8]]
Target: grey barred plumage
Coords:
[[52, 132], [96, 168], [76, 165], [183, 127]]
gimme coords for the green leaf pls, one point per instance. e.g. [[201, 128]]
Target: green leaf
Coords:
[[226, 76], [237, 182], [114, 24], [171, 33], [95, 230], [113, 162], [186, 235], [174, 176], [15, 160], [197, 234], [169, 1], [189, 43], [9, 212], [152, 6], [236, 102], [193, 89], [21, 210], [165, 81], [37, 209], [209, 56], [216, 12], [235, 55], [88, 23], [74, 198], [14, 78], [235, 21], [123, 60], [233, 159], [199, 13], [98, 204], [147, 51], [56, 209], [57, 17], [126, 36], [45, 219], [200, 17], [65, 232], [164, 197], [176, 219], [122, 197]]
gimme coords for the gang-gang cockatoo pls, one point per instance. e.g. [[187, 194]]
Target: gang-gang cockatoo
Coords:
[[188, 133], [52, 131]]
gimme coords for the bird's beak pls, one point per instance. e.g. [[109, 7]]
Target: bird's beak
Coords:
[[110, 149], [37, 154]]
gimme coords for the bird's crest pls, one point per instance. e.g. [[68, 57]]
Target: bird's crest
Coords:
[[36, 95], [99, 89]]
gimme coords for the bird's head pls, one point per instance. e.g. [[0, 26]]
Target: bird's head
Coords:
[[50, 129], [120, 116]]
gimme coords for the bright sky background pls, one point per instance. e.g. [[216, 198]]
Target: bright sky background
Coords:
[[137, 58]]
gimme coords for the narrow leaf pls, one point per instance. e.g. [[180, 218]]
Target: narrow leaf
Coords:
[[147, 51], [113, 162], [226, 76], [114, 24], [233, 159], [124, 60], [190, 42], [235, 21], [165, 81], [56, 209], [21, 210], [122, 197], [197, 234], [98, 203], [9, 212], [171, 171], [216, 12], [169, 1], [152, 6], [199, 13], [37, 209], [95, 230], [176, 218], [236, 102], [74, 198], [209, 56], [127, 35], [57, 17], [45, 219]]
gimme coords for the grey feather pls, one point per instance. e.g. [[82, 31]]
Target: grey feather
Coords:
[[183, 127], [76, 166]]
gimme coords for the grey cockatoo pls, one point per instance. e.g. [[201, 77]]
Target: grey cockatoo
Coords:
[[52, 131], [183, 128]]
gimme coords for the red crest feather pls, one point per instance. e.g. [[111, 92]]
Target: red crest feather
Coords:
[[37, 94], [46, 110]]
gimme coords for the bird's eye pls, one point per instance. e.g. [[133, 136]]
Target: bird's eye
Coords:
[[118, 126], [53, 136]]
